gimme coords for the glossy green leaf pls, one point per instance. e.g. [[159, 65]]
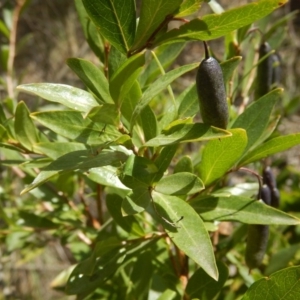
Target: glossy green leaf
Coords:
[[107, 176], [219, 156], [188, 7], [3, 134], [152, 15], [80, 282], [189, 103], [72, 125], [182, 183], [183, 133], [116, 20], [229, 66], [212, 26], [106, 113], [138, 171], [159, 85], [25, 130], [201, 286], [141, 276], [148, 123], [166, 54], [281, 259], [91, 33], [163, 161], [81, 159], [124, 78], [136, 201], [282, 285], [92, 77], [32, 220], [190, 234], [184, 164], [57, 149], [128, 223], [242, 209], [256, 117], [67, 95], [270, 147]]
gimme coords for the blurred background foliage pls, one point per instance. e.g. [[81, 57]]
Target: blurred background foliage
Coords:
[[40, 35]]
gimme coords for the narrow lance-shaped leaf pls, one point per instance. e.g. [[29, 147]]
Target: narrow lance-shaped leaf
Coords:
[[188, 7], [25, 130], [283, 284], [201, 286], [72, 125], [182, 183], [271, 147], [256, 117], [67, 95], [92, 77], [125, 76], [159, 85], [116, 20], [242, 209], [183, 133], [220, 155], [153, 14], [213, 26], [189, 234]]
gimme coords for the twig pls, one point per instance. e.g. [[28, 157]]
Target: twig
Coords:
[[12, 48]]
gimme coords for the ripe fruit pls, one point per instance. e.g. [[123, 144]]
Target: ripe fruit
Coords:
[[211, 92]]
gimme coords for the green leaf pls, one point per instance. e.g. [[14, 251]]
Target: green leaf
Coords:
[[163, 161], [201, 286], [106, 176], [57, 149], [166, 54], [32, 220], [67, 95], [212, 26], [138, 171], [283, 284], [183, 133], [190, 234], [115, 19], [3, 134], [270, 147], [184, 164], [92, 77], [152, 15], [182, 183], [188, 7], [229, 66], [106, 113], [219, 156], [189, 102], [281, 259], [90, 31], [25, 130], [141, 276], [77, 160], [159, 85], [256, 117], [128, 223], [136, 201], [241, 209], [149, 123], [125, 76], [72, 125], [80, 282]]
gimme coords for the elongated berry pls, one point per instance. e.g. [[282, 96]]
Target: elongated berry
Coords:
[[211, 92]]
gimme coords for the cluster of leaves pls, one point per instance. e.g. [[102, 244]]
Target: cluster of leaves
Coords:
[[124, 142]]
